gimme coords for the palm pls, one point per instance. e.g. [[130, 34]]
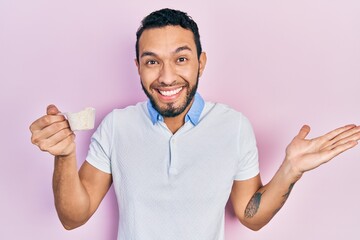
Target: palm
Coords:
[[307, 154]]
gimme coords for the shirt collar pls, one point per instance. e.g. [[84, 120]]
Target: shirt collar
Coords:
[[193, 115]]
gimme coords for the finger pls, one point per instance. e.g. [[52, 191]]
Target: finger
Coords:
[[54, 140], [48, 131], [352, 132], [328, 155], [52, 110], [45, 121], [351, 135], [331, 135], [304, 131], [63, 147]]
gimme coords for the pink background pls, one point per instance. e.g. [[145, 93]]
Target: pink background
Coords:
[[281, 63]]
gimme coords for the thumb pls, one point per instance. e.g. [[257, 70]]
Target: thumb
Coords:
[[52, 110], [304, 131]]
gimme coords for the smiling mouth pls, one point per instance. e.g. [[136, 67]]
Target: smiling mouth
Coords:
[[170, 92]]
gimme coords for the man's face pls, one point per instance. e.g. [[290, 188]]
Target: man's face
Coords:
[[169, 68]]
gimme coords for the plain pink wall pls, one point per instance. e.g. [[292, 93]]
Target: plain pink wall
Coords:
[[282, 63]]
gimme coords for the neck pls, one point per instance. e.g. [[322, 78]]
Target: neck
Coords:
[[175, 123]]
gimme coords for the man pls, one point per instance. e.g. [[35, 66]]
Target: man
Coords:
[[175, 160]]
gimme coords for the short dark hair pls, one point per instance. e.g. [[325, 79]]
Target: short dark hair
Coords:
[[168, 17]]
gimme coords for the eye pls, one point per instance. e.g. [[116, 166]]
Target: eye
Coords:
[[151, 62], [182, 59]]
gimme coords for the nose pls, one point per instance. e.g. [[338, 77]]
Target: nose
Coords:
[[167, 74]]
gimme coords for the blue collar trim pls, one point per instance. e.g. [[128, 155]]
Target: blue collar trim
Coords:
[[193, 115]]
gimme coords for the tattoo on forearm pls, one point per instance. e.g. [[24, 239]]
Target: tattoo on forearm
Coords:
[[253, 205], [285, 197]]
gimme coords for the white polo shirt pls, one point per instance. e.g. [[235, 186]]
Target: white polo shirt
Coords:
[[174, 186]]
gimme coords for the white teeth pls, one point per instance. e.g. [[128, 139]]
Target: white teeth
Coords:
[[170, 93]]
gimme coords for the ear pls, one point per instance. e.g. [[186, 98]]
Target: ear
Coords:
[[137, 65], [202, 63]]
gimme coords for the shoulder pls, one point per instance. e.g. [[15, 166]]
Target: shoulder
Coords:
[[137, 109], [225, 118], [222, 112], [132, 113]]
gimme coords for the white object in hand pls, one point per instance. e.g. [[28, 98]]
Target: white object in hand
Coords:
[[83, 120]]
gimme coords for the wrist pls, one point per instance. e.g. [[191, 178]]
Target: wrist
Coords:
[[290, 171], [66, 157]]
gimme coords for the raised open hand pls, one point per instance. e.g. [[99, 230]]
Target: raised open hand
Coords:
[[306, 154]]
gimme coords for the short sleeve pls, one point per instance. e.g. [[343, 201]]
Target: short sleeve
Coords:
[[248, 164], [99, 154]]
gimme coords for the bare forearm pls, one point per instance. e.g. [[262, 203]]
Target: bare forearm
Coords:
[[302, 155], [71, 199], [269, 199]]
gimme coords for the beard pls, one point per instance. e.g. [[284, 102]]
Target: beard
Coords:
[[170, 110]]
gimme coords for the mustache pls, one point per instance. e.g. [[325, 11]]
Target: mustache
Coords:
[[157, 85]]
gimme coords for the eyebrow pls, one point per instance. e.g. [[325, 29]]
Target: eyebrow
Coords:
[[179, 49], [148, 53], [183, 48]]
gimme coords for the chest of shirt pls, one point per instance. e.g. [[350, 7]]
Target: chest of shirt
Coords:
[[190, 162]]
